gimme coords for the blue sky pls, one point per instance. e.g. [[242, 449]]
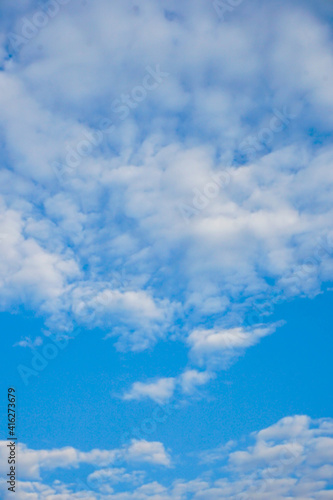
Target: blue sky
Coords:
[[167, 248]]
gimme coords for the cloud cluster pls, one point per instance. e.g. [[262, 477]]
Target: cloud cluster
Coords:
[[32, 462], [213, 349], [290, 459], [204, 192]]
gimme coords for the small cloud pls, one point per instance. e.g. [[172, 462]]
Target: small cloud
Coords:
[[217, 347], [150, 452], [159, 391], [217, 454], [191, 379], [163, 389], [116, 476], [28, 342]]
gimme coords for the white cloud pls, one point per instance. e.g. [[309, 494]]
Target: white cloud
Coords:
[[30, 273], [160, 391], [115, 476], [28, 342], [221, 346], [290, 459], [150, 452], [32, 462], [265, 221], [139, 318], [255, 223], [285, 461], [163, 389], [191, 379]]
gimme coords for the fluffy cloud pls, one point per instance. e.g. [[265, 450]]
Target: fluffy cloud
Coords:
[[160, 391], [217, 347], [32, 462], [162, 172], [138, 317], [30, 272], [115, 476], [163, 389], [290, 459], [202, 192], [191, 379], [150, 452]]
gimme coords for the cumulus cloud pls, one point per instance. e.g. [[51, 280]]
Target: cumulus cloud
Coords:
[[290, 459], [158, 178], [145, 451], [191, 379], [163, 389], [115, 476], [32, 462], [139, 318], [215, 346], [203, 194], [160, 391], [29, 272]]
